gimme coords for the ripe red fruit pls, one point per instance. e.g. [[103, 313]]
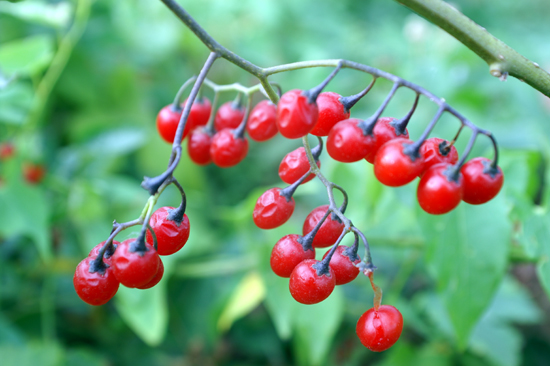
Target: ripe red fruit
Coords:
[[262, 123], [379, 330], [393, 167], [438, 192], [346, 142], [287, 254], [331, 111], [106, 258], [156, 278], [294, 165], [171, 236], [33, 173], [226, 149], [134, 268], [433, 152], [167, 123], [307, 287], [94, 288], [229, 115], [7, 150], [198, 146], [329, 231], [272, 209], [383, 132], [198, 115], [296, 116], [343, 267], [481, 182]]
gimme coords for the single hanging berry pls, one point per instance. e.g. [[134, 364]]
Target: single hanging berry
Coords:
[[379, 329], [342, 265], [108, 253], [171, 235], [262, 123], [227, 149], [440, 189], [296, 114], [96, 287], [273, 208], [331, 111], [294, 165], [229, 115], [308, 285], [394, 165], [156, 278], [198, 115], [133, 265], [198, 146], [435, 150], [482, 181], [287, 253], [329, 231]]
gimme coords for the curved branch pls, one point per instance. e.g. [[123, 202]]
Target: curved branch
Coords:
[[502, 59]]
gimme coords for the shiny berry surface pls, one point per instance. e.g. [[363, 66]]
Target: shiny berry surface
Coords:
[[437, 193], [329, 231], [133, 268], [262, 122], [198, 146], [383, 132], [343, 267], [307, 287], [156, 278], [167, 123], [171, 236], [287, 254], [228, 116], [227, 150], [393, 167], [198, 115], [294, 165], [433, 154], [379, 330], [272, 209], [94, 288], [346, 142], [296, 117], [481, 183], [331, 111]]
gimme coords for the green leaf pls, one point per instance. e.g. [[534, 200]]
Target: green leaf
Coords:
[[467, 255], [24, 211], [32, 354], [248, 294], [543, 238], [28, 56], [146, 311], [315, 327], [54, 15]]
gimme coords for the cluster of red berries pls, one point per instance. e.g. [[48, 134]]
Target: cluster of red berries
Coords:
[[134, 262], [33, 173]]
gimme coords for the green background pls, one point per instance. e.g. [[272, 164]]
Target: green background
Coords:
[[80, 93]]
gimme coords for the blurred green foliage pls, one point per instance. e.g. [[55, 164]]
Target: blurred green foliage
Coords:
[[80, 85]]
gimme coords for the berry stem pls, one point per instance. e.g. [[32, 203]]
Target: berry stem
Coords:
[[313, 93], [467, 149], [350, 101], [413, 149], [323, 266], [367, 126], [307, 239], [239, 131], [401, 125], [178, 99], [154, 235], [176, 214], [153, 184], [289, 191], [366, 264], [377, 291]]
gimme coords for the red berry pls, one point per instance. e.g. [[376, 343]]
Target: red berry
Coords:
[[481, 182], [438, 192], [433, 153], [379, 330], [294, 165], [156, 278], [198, 115], [331, 111], [226, 149], [106, 258], [33, 173], [94, 288], [287, 254], [167, 123], [171, 236], [346, 142], [272, 209], [383, 132], [134, 268], [343, 267], [228, 116], [296, 116], [7, 150], [329, 231], [198, 146], [393, 167], [262, 123], [307, 287]]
